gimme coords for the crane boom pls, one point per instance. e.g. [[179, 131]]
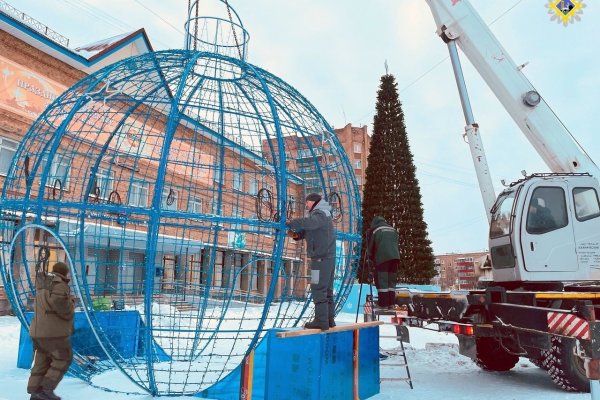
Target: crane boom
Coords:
[[458, 21]]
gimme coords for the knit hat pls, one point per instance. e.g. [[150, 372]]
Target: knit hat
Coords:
[[316, 197], [61, 268]]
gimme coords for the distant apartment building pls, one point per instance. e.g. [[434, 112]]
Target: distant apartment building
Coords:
[[462, 271], [356, 142]]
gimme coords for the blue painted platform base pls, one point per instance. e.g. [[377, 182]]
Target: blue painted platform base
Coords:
[[339, 365]]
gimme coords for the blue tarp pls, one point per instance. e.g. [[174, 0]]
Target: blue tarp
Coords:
[[123, 329]]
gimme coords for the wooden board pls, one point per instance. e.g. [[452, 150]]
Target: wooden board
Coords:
[[294, 332]]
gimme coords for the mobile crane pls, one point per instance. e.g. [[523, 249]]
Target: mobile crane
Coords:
[[544, 232]]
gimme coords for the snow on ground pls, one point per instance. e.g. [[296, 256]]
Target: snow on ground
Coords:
[[437, 370]]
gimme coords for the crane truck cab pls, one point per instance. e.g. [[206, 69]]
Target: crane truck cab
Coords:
[[545, 229], [558, 252], [544, 232]]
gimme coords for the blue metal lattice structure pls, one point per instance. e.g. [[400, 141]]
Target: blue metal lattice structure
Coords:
[[165, 182]]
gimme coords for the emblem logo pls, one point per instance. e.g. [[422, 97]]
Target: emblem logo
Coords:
[[565, 11]]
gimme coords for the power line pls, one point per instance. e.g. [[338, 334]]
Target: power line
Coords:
[[444, 59], [160, 17], [97, 13], [447, 57]]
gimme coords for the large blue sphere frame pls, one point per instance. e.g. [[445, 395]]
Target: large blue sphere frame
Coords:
[[165, 181]]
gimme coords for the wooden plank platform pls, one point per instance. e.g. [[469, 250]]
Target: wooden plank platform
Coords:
[[294, 332]]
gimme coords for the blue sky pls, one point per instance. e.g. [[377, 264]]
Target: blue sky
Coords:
[[334, 51]]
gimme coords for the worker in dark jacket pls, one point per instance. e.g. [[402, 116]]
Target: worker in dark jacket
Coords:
[[50, 332], [383, 253], [317, 229]]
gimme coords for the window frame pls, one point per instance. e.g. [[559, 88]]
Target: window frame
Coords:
[[590, 216], [253, 186], [195, 200], [109, 176], [139, 184], [3, 146], [565, 211], [237, 181]]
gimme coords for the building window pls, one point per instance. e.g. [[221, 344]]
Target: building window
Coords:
[[358, 147], [359, 180], [138, 194], [60, 170], [357, 164], [292, 203], [217, 175], [238, 181], [169, 200], [195, 206], [253, 187], [308, 153], [103, 185], [303, 153], [8, 148]]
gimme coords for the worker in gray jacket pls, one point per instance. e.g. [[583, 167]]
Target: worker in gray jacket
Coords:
[[317, 229]]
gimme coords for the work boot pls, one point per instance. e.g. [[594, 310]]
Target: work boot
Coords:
[[331, 323], [34, 392], [44, 394], [316, 325]]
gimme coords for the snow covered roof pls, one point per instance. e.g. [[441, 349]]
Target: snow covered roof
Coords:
[[137, 39], [88, 58]]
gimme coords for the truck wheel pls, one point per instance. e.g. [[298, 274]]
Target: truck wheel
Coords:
[[492, 357], [564, 367]]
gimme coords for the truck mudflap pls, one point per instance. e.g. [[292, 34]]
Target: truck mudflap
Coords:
[[467, 346]]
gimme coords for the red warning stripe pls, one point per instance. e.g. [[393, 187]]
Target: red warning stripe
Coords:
[[247, 377], [368, 308], [568, 325]]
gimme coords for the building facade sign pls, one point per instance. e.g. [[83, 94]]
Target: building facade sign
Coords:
[[24, 91]]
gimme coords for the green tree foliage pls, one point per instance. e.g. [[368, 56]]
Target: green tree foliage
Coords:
[[392, 190]]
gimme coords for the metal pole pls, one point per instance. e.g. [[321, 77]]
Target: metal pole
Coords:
[[472, 132]]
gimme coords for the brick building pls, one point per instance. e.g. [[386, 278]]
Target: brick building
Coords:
[[356, 142], [462, 270], [38, 66]]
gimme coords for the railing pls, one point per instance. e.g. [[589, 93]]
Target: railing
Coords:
[[33, 23]]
